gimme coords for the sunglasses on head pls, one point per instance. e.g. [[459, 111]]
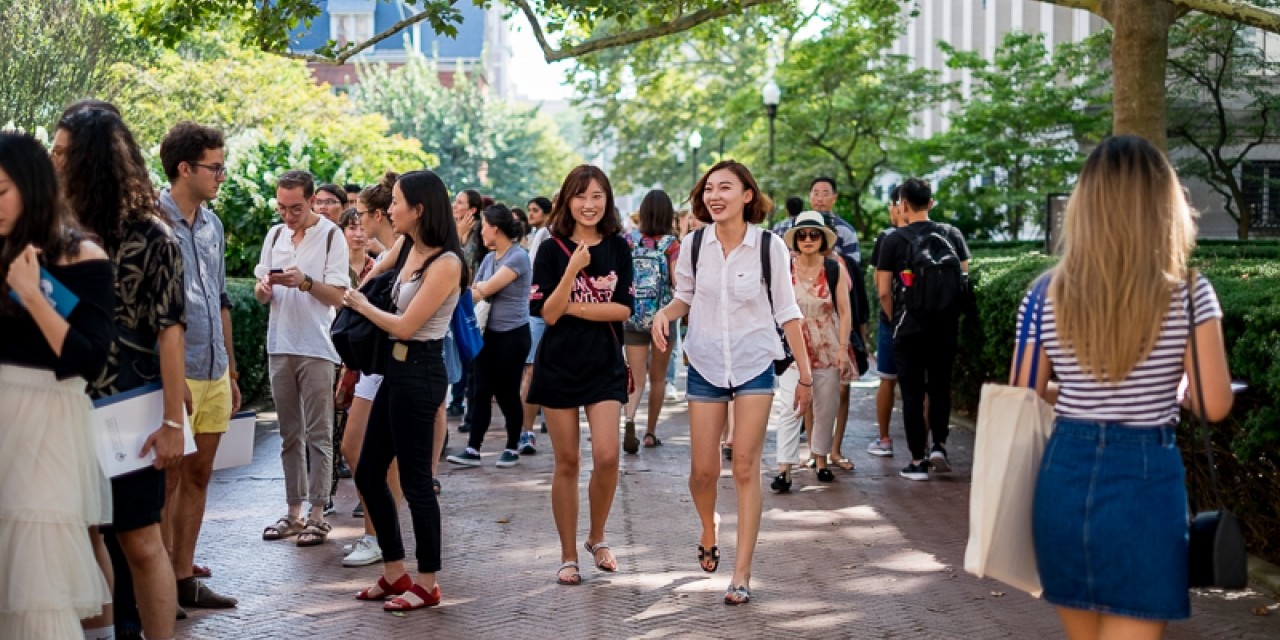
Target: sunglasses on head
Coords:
[[808, 234]]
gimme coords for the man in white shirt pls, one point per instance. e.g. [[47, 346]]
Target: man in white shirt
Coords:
[[302, 273]]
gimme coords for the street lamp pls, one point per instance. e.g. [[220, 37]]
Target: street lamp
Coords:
[[695, 143], [772, 96]]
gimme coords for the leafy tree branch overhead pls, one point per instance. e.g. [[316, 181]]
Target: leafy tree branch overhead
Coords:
[[578, 27]]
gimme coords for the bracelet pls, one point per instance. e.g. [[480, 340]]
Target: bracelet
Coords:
[[810, 384], [171, 423]]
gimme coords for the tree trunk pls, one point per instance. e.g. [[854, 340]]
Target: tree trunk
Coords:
[[1244, 221], [1138, 53]]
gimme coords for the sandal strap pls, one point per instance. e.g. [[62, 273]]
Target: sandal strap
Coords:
[[592, 549]]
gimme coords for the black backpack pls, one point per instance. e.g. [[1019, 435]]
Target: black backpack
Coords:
[[361, 345], [939, 283]]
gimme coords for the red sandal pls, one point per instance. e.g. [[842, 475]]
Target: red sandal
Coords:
[[416, 592], [401, 585]]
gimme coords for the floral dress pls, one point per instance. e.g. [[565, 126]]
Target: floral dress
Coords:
[[821, 324]]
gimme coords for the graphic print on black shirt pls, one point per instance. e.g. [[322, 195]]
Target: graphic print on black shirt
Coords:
[[579, 362]]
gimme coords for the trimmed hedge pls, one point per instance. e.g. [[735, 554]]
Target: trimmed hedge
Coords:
[[249, 322], [1247, 280]]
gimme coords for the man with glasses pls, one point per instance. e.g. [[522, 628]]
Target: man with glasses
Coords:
[[330, 201], [194, 162], [302, 273]]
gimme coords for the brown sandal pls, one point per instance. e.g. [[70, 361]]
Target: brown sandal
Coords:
[[285, 527], [314, 534]]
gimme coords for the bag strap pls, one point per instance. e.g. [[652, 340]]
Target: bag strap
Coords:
[[1034, 313], [595, 295], [694, 251], [1192, 278], [766, 266]]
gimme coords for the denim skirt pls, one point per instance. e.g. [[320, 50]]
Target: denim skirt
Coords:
[[1110, 520]]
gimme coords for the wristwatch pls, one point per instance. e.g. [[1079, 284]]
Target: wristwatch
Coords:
[[306, 284]]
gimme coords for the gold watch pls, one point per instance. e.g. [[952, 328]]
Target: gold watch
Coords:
[[306, 284]]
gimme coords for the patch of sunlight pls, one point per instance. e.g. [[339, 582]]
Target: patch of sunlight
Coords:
[[910, 561], [879, 585], [863, 513]]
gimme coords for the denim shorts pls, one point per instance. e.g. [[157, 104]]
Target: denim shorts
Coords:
[[884, 352], [699, 390], [537, 326], [1110, 520]]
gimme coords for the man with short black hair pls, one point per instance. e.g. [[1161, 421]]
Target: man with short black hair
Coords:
[[194, 162], [920, 277], [302, 273]]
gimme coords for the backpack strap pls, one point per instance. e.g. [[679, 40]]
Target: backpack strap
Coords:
[[766, 266], [832, 269], [694, 251], [276, 236]]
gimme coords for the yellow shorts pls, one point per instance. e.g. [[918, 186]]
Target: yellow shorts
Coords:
[[210, 405]]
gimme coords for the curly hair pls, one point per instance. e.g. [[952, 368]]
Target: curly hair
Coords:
[[104, 178]]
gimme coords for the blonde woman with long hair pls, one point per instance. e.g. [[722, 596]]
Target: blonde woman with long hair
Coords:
[[1110, 514]]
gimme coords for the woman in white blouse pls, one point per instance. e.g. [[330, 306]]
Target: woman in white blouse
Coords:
[[731, 344]]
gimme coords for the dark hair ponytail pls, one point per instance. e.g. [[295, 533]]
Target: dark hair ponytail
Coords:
[[500, 217]]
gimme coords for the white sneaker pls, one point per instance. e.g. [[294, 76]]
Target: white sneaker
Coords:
[[878, 447], [673, 394], [364, 553]]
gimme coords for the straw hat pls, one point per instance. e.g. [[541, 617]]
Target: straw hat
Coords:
[[809, 220]]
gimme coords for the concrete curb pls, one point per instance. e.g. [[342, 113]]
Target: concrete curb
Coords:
[[1264, 576]]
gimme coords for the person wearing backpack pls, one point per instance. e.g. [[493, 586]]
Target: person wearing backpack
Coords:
[[654, 250], [922, 280], [736, 300]]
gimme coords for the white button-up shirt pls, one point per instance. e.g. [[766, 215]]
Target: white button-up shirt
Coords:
[[732, 336], [299, 322]]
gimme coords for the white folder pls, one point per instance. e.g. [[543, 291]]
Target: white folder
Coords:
[[122, 423]]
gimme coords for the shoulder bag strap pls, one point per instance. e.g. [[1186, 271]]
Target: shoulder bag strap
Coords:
[[766, 266], [1192, 278], [694, 251]]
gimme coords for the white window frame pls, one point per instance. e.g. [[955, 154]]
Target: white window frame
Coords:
[[336, 20]]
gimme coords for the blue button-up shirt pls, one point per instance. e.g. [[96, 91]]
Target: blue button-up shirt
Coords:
[[204, 249]]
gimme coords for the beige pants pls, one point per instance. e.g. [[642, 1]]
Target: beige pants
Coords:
[[303, 391], [826, 399]]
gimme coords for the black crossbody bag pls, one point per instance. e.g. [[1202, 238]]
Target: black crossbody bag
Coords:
[[1217, 556]]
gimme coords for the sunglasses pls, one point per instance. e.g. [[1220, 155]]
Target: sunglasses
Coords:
[[805, 235]]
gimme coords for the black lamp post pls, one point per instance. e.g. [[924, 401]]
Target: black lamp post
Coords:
[[772, 96], [695, 143]]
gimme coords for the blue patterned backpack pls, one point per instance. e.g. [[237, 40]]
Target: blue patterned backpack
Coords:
[[651, 279]]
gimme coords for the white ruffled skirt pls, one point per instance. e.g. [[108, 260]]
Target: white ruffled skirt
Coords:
[[51, 490]]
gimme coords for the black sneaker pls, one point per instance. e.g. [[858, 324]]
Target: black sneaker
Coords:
[[358, 512], [467, 458], [544, 426], [781, 483], [938, 459], [329, 508], [825, 475], [454, 411], [916, 471], [464, 427], [527, 443], [344, 471]]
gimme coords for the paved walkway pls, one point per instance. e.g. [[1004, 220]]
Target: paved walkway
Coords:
[[869, 556]]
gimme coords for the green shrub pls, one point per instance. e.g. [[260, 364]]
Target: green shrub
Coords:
[[249, 318], [1247, 281]]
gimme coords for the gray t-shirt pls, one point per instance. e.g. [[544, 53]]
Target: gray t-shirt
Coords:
[[510, 308]]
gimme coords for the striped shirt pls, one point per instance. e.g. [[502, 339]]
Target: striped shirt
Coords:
[[1149, 395]]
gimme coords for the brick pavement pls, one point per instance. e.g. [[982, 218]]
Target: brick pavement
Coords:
[[869, 556]]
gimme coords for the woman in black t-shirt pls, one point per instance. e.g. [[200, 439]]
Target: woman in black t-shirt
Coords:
[[53, 488], [582, 289]]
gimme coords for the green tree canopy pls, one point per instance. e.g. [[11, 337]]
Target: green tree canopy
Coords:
[[511, 152], [1020, 133], [1223, 103]]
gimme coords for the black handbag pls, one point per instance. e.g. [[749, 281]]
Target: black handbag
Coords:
[[1217, 555], [361, 345]]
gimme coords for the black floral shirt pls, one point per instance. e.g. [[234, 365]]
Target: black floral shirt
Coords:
[[149, 299]]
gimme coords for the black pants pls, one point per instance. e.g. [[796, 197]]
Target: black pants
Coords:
[[498, 369], [924, 360], [402, 425]]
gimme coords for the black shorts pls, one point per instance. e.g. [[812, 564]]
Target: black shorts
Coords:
[[137, 500]]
